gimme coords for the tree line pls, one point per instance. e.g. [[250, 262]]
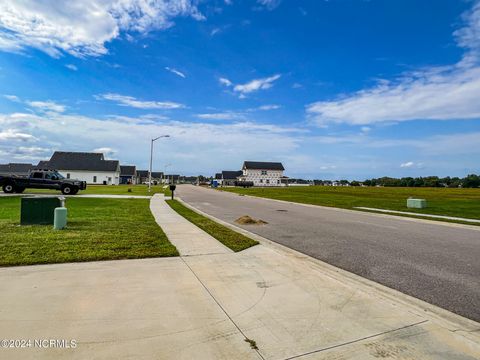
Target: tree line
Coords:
[[470, 181]]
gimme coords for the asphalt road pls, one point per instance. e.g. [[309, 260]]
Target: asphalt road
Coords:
[[434, 262]]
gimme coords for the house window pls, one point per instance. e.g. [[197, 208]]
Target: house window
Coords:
[[94, 179], [268, 181], [68, 175], [264, 172], [278, 181], [261, 180]]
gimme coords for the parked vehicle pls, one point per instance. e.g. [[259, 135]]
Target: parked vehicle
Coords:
[[41, 179], [244, 184]]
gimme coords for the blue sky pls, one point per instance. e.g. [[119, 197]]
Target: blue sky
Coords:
[[333, 89]]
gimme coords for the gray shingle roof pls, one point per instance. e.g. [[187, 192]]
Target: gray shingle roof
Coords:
[[128, 170], [79, 161], [231, 175], [15, 168], [144, 174], [260, 165]]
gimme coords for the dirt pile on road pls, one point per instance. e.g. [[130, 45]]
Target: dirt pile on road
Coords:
[[247, 220]]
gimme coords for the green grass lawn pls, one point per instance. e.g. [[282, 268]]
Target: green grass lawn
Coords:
[[107, 190], [440, 201], [98, 229], [225, 235]]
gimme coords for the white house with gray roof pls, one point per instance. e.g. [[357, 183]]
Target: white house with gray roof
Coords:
[[262, 173], [89, 167]]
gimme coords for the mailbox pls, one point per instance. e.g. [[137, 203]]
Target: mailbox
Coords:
[[172, 189]]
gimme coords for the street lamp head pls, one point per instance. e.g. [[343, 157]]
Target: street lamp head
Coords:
[[162, 136]]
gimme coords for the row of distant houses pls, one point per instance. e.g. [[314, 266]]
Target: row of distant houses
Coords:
[[257, 173], [90, 167], [95, 169]]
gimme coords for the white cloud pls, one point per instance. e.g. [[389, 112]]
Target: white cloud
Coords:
[[439, 93], [269, 4], [83, 27], [106, 151], [269, 107], [130, 101], [222, 116], [11, 134], [43, 106], [256, 84], [407, 164], [71, 67], [215, 31], [13, 98], [225, 81], [194, 147], [47, 106], [175, 71]]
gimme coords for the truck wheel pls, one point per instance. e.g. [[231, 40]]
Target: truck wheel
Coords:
[[67, 190], [74, 191], [8, 188], [19, 190]]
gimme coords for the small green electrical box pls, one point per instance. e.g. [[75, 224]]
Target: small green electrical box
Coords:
[[416, 203], [39, 210]]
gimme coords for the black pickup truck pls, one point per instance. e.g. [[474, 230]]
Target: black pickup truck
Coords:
[[41, 179]]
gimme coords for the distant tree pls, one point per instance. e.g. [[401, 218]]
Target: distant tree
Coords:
[[471, 181]]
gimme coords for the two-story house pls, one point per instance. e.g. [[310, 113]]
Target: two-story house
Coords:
[[262, 173]]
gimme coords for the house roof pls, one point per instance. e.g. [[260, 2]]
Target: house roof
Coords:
[[260, 165], [144, 174], [15, 168], [231, 175], [218, 176], [79, 161], [174, 177], [128, 170]]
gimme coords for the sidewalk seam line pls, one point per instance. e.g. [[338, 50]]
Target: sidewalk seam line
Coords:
[[355, 341], [220, 306]]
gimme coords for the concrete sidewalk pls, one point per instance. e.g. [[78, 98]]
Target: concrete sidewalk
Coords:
[[188, 238], [206, 306]]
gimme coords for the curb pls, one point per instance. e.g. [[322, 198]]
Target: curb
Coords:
[[451, 320]]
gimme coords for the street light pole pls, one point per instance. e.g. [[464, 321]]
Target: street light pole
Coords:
[[151, 161], [165, 173]]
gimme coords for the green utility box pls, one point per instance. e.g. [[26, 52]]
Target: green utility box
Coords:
[[40, 210], [60, 219], [416, 203]]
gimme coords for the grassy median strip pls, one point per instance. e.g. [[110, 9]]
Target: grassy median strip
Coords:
[[463, 203], [98, 229], [228, 237]]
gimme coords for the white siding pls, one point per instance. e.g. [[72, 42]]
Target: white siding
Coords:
[[260, 178], [89, 176]]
